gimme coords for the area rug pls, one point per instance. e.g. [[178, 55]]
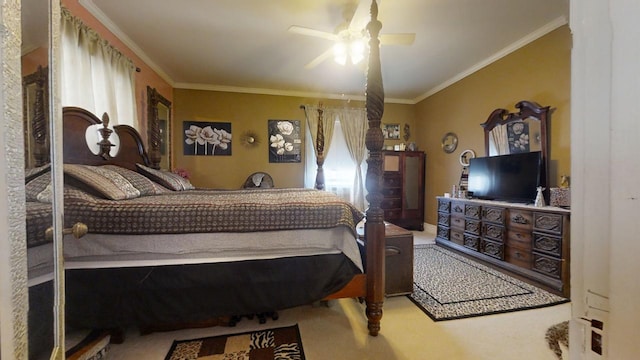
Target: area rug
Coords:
[[278, 343], [449, 286]]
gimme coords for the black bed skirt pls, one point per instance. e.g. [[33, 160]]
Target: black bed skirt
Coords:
[[153, 295]]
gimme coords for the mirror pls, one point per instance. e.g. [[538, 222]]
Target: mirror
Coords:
[[159, 117], [515, 137], [35, 48], [517, 132]]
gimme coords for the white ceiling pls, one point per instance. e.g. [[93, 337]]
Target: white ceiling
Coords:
[[244, 45]]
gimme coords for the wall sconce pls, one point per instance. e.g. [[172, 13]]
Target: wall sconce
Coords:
[[249, 139]]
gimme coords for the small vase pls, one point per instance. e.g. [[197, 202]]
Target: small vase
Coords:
[[539, 202]]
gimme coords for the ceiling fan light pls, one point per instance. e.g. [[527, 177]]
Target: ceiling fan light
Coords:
[[340, 53], [357, 51]]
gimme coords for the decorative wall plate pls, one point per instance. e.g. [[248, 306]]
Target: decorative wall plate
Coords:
[[449, 142]]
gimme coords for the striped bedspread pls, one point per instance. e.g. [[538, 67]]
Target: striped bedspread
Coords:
[[200, 211]]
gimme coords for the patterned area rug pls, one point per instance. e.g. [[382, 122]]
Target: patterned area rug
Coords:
[[279, 343], [449, 286]]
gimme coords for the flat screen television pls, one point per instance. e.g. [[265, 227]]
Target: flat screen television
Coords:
[[512, 178]]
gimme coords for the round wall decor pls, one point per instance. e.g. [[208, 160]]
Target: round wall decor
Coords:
[[465, 156], [449, 142]]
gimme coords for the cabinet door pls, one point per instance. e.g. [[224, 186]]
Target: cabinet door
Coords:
[[413, 187]]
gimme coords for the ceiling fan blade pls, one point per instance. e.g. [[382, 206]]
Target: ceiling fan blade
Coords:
[[322, 57], [312, 32], [397, 39], [362, 15]]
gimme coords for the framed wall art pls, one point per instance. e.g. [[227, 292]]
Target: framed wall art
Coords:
[[285, 142], [391, 131], [206, 138]]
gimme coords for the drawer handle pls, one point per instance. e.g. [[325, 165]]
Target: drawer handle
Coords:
[[392, 250], [518, 254], [519, 219], [518, 235]]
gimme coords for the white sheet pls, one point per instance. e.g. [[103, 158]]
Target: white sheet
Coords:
[[106, 250], [40, 264]]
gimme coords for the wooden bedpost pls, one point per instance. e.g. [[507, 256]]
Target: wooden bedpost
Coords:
[[153, 128], [320, 149], [39, 123], [104, 144], [374, 226]]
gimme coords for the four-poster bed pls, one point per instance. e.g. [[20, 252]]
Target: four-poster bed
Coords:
[[114, 286]]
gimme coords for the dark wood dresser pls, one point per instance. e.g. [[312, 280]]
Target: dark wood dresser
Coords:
[[398, 258], [532, 242], [403, 188]]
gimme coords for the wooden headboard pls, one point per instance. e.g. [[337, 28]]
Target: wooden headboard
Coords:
[[75, 122]]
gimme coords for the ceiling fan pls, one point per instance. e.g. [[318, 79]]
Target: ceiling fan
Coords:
[[351, 38]]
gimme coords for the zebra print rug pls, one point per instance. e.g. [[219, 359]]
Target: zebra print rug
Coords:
[[278, 343], [449, 286]]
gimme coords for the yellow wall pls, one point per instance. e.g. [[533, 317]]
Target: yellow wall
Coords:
[[538, 72], [250, 112]]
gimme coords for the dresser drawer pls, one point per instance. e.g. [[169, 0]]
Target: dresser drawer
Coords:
[[519, 239], [551, 223], [472, 211], [456, 236], [492, 248], [392, 181], [520, 219], [471, 242], [494, 214], [392, 192], [392, 214], [547, 265], [457, 222], [457, 207], [518, 257], [444, 206], [473, 226], [443, 232], [391, 203], [493, 232], [443, 219], [551, 245]]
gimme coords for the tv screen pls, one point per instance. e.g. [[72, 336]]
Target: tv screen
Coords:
[[513, 177]]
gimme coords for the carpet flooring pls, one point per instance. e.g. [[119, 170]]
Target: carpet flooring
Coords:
[[277, 343], [449, 286]]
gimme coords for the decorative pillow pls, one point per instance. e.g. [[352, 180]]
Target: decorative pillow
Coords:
[[165, 178], [105, 182], [32, 173], [36, 186], [45, 195], [139, 181]]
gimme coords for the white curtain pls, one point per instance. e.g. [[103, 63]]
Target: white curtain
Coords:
[[498, 141], [354, 128], [343, 174], [95, 75]]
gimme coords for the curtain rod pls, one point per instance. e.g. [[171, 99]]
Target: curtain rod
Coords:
[[304, 107]]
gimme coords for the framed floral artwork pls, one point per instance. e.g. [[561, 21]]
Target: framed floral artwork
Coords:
[[518, 137], [285, 142], [206, 138], [391, 131]]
